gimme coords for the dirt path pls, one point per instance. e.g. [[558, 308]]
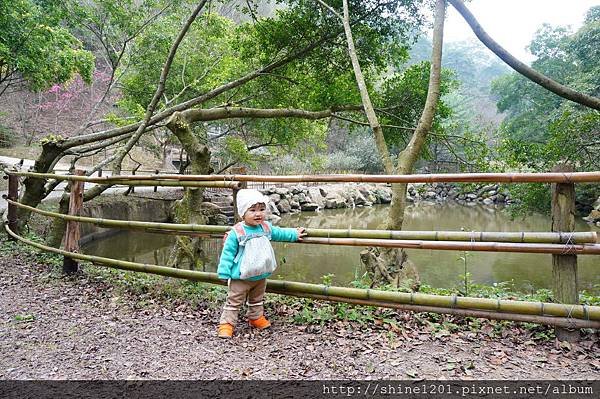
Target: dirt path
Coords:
[[81, 329]]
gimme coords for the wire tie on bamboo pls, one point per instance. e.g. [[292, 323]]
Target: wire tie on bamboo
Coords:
[[454, 301], [570, 319], [541, 308], [498, 305], [569, 245], [570, 314]]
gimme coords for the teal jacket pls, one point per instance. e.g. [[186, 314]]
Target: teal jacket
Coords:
[[229, 268]]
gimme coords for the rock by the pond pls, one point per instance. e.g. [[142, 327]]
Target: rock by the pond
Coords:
[[284, 206], [316, 196], [384, 196], [594, 216], [309, 207], [273, 218], [273, 208], [301, 198]]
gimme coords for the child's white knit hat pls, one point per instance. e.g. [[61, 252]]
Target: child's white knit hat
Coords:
[[248, 197]]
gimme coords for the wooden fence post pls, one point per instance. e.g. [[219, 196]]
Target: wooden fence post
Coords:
[[564, 267], [155, 187], [72, 232], [13, 194]]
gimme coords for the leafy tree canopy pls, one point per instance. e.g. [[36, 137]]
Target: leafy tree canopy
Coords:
[[36, 49], [217, 50], [542, 129]]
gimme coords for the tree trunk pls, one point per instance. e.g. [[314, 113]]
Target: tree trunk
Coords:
[[400, 270], [34, 191], [59, 225], [187, 250]]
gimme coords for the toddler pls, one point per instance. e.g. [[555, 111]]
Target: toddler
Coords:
[[248, 259]]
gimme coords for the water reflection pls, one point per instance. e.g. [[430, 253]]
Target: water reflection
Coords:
[[437, 268]]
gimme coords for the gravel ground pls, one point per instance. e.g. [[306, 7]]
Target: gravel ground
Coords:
[[83, 328]]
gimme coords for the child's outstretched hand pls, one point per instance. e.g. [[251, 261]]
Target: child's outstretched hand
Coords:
[[301, 233]]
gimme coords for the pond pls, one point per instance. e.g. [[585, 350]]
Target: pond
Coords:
[[308, 263]]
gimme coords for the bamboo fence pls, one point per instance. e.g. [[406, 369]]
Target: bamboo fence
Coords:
[[134, 180], [526, 242], [552, 177], [566, 315], [562, 315]]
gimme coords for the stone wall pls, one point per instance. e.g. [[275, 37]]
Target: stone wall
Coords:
[[123, 208], [350, 195], [151, 207]]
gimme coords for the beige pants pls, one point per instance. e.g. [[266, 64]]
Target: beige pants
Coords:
[[239, 290]]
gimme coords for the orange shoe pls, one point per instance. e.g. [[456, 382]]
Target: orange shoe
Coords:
[[261, 323], [225, 330]]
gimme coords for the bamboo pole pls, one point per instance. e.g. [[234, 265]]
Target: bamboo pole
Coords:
[[526, 240], [547, 320], [167, 183], [574, 177], [583, 249], [136, 180], [587, 315], [475, 236]]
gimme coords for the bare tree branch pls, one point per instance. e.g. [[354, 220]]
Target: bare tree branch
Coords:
[[211, 114], [520, 67]]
